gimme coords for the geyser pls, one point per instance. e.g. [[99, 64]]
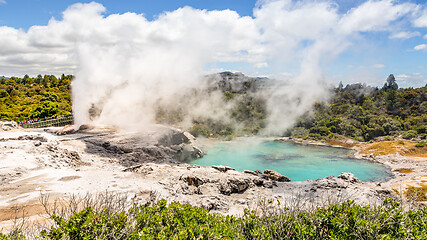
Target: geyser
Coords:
[[128, 65]]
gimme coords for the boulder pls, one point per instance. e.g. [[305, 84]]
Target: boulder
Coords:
[[172, 136], [192, 180], [275, 176], [189, 151], [222, 168], [68, 129], [348, 177], [261, 175], [233, 185], [7, 126], [330, 182], [249, 172], [213, 203]]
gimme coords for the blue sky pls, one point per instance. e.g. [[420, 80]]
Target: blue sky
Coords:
[[26, 13], [397, 46]]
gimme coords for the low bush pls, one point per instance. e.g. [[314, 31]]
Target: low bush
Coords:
[[177, 221], [410, 134]]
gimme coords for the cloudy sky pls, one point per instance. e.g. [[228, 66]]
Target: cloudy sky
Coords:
[[349, 41]]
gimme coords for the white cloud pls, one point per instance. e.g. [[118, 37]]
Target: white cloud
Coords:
[[405, 35], [421, 21], [421, 47], [2, 1], [425, 36], [378, 66], [411, 80], [375, 15], [142, 60], [280, 31]]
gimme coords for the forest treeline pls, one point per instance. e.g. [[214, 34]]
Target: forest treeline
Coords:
[[357, 111], [28, 98], [364, 113]]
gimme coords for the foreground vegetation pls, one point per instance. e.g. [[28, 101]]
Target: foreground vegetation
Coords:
[[176, 221]]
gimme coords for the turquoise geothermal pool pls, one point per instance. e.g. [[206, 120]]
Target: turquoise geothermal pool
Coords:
[[296, 161]]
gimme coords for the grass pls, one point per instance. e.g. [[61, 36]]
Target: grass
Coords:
[[404, 170], [381, 148], [418, 193], [404, 148], [339, 143]]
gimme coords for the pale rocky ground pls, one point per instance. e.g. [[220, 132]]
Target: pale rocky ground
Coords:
[[150, 166]]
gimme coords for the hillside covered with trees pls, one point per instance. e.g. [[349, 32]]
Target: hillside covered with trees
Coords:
[[364, 113], [356, 111], [34, 98]]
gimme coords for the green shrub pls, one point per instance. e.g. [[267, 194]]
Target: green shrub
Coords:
[[200, 130], [177, 221], [410, 134], [420, 144]]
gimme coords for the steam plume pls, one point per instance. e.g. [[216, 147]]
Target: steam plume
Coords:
[[127, 65]]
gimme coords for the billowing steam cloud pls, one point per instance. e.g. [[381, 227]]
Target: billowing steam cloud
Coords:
[[128, 65]]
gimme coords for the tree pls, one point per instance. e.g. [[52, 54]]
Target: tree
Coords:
[[340, 86], [25, 79], [390, 83], [39, 79]]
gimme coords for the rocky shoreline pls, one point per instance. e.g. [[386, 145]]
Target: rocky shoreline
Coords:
[[407, 171], [149, 166]]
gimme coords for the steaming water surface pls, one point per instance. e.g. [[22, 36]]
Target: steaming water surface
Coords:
[[296, 161]]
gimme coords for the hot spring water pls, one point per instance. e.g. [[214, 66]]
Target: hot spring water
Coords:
[[296, 161]]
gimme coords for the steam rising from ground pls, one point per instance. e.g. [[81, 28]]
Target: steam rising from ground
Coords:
[[127, 65]]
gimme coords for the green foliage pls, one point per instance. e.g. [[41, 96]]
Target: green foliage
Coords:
[[177, 221], [364, 113], [410, 134], [211, 128], [27, 98], [200, 130]]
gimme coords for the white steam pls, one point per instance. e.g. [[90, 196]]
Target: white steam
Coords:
[[128, 65]]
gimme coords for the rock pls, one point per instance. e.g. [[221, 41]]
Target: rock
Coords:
[[268, 184], [37, 137], [182, 144], [250, 172], [172, 136], [86, 127], [348, 177], [189, 137], [68, 129], [222, 168], [261, 175], [189, 152], [258, 182], [273, 175], [132, 168], [383, 191], [213, 203], [190, 189], [329, 183], [233, 185], [7, 126], [192, 180]]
